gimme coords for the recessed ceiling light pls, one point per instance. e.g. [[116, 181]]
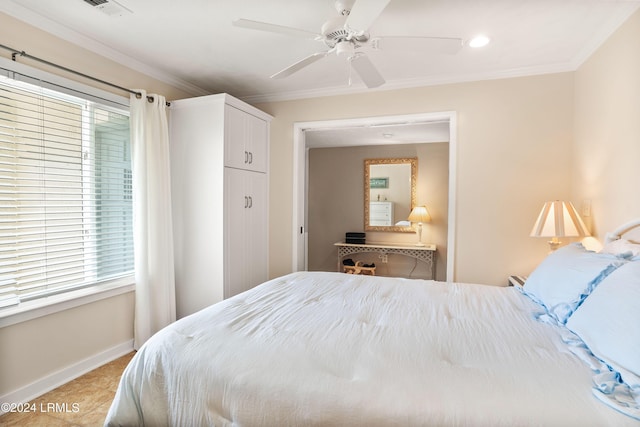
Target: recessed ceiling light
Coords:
[[387, 135], [479, 41]]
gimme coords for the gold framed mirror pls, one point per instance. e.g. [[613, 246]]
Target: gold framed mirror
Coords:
[[389, 194]]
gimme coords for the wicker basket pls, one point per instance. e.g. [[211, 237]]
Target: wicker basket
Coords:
[[359, 268]]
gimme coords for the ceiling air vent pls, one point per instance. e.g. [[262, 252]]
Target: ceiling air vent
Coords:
[[109, 7], [96, 2]]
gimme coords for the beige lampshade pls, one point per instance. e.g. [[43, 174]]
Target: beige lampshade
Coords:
[[559, 219], [420, 214]]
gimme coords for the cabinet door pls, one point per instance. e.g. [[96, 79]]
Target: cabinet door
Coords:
[[245, 230], [257, 223], [235, 135], [256, 144], [246, 139]]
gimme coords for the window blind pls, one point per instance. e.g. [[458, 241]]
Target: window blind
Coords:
[[65, 193]]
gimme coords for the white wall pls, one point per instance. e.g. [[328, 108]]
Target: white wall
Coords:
[[47, 351], [607, 130], [514, 153]]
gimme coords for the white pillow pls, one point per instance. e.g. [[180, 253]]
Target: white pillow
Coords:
[[565, 277], [622, 248], [608, 322]]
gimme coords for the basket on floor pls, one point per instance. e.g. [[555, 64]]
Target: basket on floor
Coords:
[[360, 268]]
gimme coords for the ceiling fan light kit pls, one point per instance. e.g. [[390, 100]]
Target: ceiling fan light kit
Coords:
[[345, 48], [347, 36]]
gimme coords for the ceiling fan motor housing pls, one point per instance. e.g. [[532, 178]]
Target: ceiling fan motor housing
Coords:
[[334, 31]]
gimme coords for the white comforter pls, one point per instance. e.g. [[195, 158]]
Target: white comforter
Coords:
[[344, 350]]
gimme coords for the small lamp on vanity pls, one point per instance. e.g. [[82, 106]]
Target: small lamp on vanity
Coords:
[[420, 214], [558, 219]]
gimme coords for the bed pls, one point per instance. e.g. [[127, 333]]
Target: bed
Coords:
[[333, 349]]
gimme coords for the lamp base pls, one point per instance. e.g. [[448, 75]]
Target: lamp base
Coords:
[[554, 244], [419, 243]]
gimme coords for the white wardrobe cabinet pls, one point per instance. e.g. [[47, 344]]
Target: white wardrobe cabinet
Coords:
[[219, 182]]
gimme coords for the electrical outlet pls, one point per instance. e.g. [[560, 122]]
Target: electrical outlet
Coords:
[[586, 207], [384, 258]]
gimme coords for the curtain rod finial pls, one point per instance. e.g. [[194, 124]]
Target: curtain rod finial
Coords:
[[14, 54]]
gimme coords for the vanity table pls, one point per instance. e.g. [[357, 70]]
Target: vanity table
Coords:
[[426, 253]]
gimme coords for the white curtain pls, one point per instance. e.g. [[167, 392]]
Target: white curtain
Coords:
[[155, 305]]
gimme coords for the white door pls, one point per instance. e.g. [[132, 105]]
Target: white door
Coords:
[[256, 143], [235, 135], [245, 140], [257, 229], [245, 230]]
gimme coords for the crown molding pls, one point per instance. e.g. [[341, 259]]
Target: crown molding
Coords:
[[411, 83], [606, 31]]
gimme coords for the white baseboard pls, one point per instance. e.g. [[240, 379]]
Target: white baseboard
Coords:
[[63, 376]]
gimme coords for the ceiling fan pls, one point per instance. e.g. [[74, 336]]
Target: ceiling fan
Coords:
[[347, 34]]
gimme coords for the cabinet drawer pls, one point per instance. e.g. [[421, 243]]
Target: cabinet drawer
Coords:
[[381, 214]]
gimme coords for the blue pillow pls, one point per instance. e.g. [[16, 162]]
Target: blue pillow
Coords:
[[608, 322], [566, 277]]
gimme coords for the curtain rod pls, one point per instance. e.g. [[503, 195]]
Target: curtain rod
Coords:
[[15, 53]]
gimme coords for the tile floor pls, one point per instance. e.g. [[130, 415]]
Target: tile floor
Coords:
[[81, 402]]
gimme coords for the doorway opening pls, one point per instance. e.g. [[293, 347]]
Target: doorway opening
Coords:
[[302, 144]]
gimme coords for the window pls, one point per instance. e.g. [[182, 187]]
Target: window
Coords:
[[65, 192]]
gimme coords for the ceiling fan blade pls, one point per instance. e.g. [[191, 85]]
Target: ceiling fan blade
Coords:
[[367, 71], [300, 64], [273, 28], [364, 13], [445, 45]]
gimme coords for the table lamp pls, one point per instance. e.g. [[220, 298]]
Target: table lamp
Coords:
[[419, 214], [558, 219]]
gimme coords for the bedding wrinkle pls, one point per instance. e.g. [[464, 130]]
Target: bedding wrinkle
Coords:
[[330, 349]]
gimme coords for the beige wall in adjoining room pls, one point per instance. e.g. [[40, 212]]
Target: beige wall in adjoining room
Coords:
[[513, 154], [336, 204], [607, 130]]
